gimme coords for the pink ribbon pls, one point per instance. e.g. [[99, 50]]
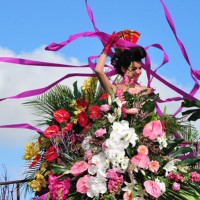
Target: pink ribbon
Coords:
[[23, 126], [42, 197]]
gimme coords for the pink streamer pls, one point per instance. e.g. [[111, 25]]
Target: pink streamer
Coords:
[[23, 126]]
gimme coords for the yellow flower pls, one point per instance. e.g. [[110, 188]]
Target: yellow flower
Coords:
[[38, 183], [73, 120], [31, 150], [35, 185], [43, 167]]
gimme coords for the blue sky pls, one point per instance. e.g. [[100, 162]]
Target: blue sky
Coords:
[[28, 26]]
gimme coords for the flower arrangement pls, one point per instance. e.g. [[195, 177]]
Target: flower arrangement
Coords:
[[99, 146]]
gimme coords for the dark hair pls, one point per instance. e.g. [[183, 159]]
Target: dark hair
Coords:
[[126, 57]]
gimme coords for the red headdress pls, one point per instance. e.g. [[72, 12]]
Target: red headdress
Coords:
[[128, 35]]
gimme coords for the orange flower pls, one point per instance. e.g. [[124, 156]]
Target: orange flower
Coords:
[[154, 166], [127, 196], [143, 149]]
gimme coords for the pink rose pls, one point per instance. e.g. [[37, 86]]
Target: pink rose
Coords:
[[105, 107], [141, 160], [78, 168], [100, 132], [132, 111], [176, 186], [81, 184], [153, 129], [152, 188], [154, 166]]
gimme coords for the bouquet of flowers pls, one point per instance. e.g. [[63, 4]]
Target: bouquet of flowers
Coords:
[[99, 146]]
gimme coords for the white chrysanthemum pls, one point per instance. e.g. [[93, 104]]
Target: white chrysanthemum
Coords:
[[124, 163]]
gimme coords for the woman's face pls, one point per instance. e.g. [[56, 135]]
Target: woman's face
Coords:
[[135, 70]]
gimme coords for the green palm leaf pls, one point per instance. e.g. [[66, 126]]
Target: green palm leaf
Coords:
[[59, 97]]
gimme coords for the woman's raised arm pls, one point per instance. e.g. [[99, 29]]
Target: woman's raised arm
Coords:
[[99, 70]]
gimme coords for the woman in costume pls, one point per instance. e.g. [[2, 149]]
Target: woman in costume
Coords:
[[126, 61]]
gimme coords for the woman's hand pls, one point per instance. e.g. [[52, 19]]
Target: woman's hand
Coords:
[[113, 38]]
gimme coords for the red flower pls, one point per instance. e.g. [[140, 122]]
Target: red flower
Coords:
[[81, 103], [104, 96], [51, 153], [163, 125], [67, 128], [51, 131], [95, 112], [61, 116], [82, 119], [87, 128], [35, 161]]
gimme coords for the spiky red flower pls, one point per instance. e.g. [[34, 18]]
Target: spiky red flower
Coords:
[[83, 119], [61, 116], [51, 131], [95, 112], [51, 153]]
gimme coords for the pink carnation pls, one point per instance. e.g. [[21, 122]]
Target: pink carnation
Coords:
[[141, 160], [81, 184], [152, 188], [78, 168], [105, 107], [100, 132], [57, 186], [195, 177], [153, 130], [115, 180]]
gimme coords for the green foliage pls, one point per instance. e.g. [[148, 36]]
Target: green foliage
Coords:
[[59, 97], [181, 151], [193, 114], [172, 144]]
